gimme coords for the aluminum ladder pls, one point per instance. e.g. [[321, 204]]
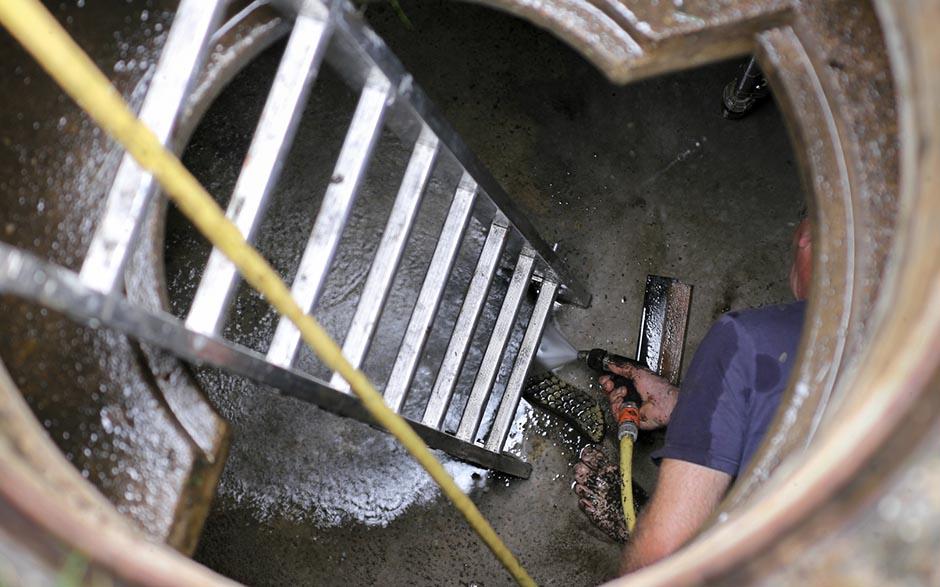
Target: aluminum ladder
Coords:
[[388, 96]]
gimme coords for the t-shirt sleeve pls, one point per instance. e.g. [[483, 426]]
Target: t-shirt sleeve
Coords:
[[708, 426]]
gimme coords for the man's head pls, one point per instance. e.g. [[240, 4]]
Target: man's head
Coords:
[[801, 272]]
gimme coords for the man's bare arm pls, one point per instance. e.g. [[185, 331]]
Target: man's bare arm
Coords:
[[686, 495]]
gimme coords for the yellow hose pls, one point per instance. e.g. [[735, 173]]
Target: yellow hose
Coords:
[[626, 482], [39, 32]]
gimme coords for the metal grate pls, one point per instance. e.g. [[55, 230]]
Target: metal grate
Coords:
[[388, 96]]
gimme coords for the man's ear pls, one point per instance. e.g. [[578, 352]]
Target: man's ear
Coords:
[[806, 240], [805, 236]]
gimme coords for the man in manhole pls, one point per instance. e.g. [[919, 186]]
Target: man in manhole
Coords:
[[714, 426]]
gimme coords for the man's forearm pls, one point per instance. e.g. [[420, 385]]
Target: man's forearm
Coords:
[[641, 551], [686, 495], [653, 538]]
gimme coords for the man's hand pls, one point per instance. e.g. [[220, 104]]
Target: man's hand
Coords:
[[658, 395]]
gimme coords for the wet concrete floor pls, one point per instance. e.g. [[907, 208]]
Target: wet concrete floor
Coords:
[[630, 181]]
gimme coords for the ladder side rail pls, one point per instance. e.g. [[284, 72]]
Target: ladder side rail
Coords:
[[25, 275]]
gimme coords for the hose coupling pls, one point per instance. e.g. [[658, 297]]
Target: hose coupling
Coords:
[[628, 419], [627, 429]]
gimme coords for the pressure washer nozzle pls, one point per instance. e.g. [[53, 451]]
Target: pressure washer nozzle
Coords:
[[584, 356], [595, 358], [600, 360]]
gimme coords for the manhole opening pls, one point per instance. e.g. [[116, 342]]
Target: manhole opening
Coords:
[[636, 180]]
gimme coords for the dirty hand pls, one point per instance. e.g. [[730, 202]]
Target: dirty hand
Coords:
[[658, 395]]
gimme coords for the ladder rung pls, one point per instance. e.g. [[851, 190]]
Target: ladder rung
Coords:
[[429, 299], [492, 357], [348, 173], [269, 148], [179, 63], [466, 324], [530, 342], [388, 256]]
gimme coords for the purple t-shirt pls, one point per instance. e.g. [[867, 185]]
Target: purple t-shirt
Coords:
[[733, 387]]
